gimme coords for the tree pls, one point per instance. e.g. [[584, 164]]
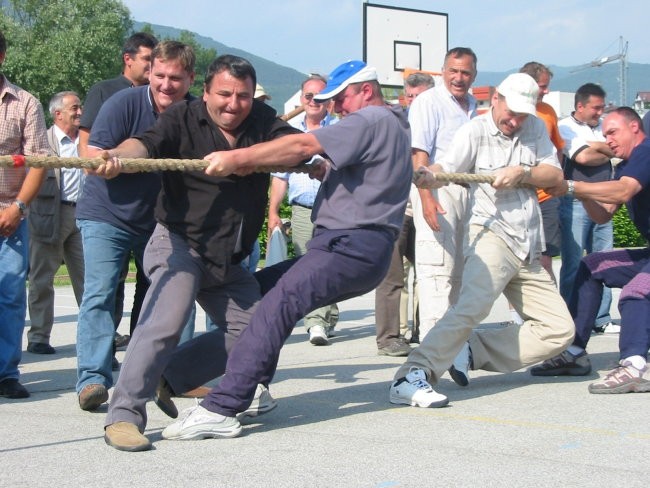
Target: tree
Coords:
[[56, 45]]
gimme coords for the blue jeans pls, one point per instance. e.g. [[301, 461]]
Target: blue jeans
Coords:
[[581, 234], [106, 248], [13, 304]]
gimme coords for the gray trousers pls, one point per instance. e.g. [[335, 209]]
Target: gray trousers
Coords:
[[302, 230], [44, 261], [178, 276]]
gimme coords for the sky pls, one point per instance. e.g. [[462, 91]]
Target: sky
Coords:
[[318, 35]]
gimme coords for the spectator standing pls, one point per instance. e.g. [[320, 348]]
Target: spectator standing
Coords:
[[587, 158], [22, 131], [302, 192], [391, 296], [136, 67], [53, 233], [440, 215]]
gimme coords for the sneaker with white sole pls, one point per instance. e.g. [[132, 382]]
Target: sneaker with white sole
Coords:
[[459, 370], [318, 335], [610, 328], [262, 403], [564, 364], [624, 379], [415, 390], [199, 423]]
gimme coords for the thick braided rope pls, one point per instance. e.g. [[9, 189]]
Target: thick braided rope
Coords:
[[145, 165], [139, 165]]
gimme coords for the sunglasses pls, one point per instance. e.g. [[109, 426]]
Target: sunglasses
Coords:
[[310, 96]]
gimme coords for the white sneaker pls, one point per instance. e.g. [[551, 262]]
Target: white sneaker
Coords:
[[318, 335], [611, 328], [199, 423], [459, 370], [414, 390], [262, 403]]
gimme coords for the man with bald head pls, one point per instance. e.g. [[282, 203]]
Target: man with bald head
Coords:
[[627, 269]]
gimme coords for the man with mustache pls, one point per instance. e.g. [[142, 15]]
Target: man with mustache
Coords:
[[439, 215]]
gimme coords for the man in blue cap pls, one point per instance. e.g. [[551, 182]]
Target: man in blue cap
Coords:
[[358, 213]]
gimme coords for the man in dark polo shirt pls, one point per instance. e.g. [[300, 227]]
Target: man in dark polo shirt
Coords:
[[136, 62], [115, 216], [206, 226]]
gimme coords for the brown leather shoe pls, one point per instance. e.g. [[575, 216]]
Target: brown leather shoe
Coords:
[[199, 392], [92, 396], [125, 436]]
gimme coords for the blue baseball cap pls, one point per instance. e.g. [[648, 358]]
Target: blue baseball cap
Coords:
[[346, 74]]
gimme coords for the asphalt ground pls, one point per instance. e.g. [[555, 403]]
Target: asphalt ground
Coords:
[[334, 426]]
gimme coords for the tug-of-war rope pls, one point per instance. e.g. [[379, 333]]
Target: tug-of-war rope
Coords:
[[422, 178]]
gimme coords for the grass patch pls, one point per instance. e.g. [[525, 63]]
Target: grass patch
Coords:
[[61, 278]]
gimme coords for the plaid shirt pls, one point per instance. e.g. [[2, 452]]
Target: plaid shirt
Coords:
[[22, 131]]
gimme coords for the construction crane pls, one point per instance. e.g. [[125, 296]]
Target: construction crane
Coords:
[[622, 77]]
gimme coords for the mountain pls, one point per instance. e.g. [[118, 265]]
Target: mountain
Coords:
[[282, 82], [278, 81]]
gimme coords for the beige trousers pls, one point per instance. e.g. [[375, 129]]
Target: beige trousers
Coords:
[[491, 269]]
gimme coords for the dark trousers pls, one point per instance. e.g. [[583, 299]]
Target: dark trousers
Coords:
[[339, 264], [389, 291], [628, 269]]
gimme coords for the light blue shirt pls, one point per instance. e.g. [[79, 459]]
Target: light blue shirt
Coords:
[[71, 178], [303, 189]]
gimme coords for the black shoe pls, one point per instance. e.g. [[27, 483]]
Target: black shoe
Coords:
[[163, 399], [11, 388], [121, 341], [115, 364], [564, 364], [40, 348]]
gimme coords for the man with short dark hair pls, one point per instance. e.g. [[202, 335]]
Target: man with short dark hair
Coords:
[[136, 66], [205, 226], [54, 235], [22, 131], [587, 158], [627, 269]]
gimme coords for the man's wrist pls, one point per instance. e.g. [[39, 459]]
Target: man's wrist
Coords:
[[22, 206], [570, 188]]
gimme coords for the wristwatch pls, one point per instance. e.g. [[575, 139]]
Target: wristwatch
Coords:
[[527, 170], [21, 206], [571, 188]]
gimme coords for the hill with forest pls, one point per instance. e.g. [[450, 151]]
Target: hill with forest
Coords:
[[281, 82]]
